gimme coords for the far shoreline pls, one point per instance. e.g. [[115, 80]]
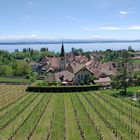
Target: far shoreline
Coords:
[[65, 42]]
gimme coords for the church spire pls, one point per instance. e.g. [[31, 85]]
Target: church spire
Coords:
[[62, 51], [62, 58]]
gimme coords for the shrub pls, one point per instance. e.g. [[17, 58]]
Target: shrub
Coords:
[[47, 83], [82, 83], [62, 88]]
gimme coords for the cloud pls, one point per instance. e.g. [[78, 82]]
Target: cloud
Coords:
[[72, 18], [111, 28], [26, 37], [108, 28], [29, 3], [134, 27], [124, 13], [100, 37], [27, 17], [88, 28], [19, 37]]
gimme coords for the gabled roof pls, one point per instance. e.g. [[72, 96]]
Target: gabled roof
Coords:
[[97, 72], [81, 59], [78, 68], [51, 62], [107, 72], [74, 67], [103, 81], [68, 76], [83, 68]]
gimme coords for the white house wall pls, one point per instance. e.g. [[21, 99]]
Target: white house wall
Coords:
[[82, 75]]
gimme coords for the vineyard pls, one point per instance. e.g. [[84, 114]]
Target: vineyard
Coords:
[[67, 116]]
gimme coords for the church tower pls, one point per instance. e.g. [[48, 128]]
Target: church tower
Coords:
[[62, 59]]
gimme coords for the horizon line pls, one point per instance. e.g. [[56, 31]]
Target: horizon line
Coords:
[[66, 41]]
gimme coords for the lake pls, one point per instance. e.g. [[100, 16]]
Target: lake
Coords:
[[84, 46]]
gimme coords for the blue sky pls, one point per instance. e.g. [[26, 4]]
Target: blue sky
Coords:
[[75, 19]]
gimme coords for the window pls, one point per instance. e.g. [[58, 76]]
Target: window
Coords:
[[82, 77], [78, 77], [85, 77]]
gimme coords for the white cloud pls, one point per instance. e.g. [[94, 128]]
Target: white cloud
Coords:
[[100, 37], [19, 37], [137, 27], [88, 28], [27, 37], [111, 28], [72, 18], [124, 13], [25, 17], [96, 36], [29, 3]]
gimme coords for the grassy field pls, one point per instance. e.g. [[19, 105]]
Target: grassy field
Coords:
[[137, 61], [95, 115], [13, 79]]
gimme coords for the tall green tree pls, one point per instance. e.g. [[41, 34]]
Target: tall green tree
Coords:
[[6, 70], [124, 75], [22, 68]]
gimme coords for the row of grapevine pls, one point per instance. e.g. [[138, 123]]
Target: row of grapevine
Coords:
[[115, 117], [80, 116], [14, 125], [128, 115], [86, 126], [9, 96]]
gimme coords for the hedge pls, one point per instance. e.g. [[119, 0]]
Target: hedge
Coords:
[[15, 83], [61, 89]]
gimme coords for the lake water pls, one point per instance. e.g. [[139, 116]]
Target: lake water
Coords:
[[84, 46]]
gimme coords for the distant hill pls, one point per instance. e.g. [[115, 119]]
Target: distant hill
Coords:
[[67, 41]]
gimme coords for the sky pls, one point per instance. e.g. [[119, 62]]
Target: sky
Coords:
[[69, 19]]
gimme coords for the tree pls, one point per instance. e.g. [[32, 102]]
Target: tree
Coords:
[[124, 77], [87, 54], [130, 49], [16, 50], [136, 78], [24, 50], [77, 51], [32, 76], [22, 68], [92, 78], [6, 70], [110, 55], [44, 49], [46, 53]]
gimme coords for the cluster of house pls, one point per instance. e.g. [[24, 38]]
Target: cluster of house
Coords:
[[69, 69]]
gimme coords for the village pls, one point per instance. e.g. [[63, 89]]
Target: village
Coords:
[[69, 69]]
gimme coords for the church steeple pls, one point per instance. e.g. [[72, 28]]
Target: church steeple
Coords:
[[62, 58], [62, 51]]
